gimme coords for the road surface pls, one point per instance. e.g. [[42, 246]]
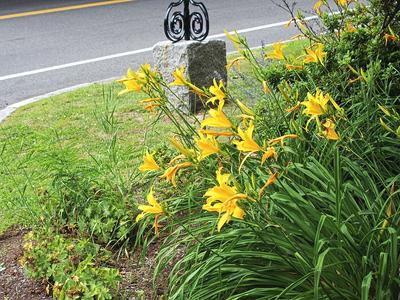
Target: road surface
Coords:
[[47, 45]]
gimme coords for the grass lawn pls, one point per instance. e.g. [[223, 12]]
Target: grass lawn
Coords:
[[74, 127], [84, 127]]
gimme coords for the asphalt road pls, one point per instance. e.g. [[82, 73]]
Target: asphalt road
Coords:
[[47, 52]]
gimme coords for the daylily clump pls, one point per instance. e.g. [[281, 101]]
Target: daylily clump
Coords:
[[219, 136]]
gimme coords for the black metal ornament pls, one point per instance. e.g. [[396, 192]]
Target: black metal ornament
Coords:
[[186, 25]]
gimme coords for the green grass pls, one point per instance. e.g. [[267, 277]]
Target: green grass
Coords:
[[79, 127], [74, 127]]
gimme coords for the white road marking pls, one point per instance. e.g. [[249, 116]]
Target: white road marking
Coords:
[[134, 52], [76, 63]]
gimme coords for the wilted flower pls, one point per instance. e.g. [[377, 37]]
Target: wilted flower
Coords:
[[170, 173], [271, 180], [270, 152], [282, 139], [329, 130]]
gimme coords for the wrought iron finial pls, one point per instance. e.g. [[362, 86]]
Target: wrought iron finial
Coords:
[[186, 25]]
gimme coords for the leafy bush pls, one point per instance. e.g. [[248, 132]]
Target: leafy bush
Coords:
[[73, 268], [83, 203]]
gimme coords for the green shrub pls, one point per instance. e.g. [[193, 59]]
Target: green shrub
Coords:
[[80, 201], [73, 268]]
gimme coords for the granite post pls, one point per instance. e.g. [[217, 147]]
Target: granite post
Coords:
[[203, 62]]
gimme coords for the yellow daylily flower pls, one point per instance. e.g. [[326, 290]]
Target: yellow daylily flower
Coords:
[[270, 152], [179, 77], [154, 208], [131, 82], [170, 173], [277, 52], [228, 209], [145, 72], [247, 144], [343, 3], [329, 131], [208, 145], [282, 139], [217, 118], [316, 105], [149, 163], [271, 180], [223, 199], [217, 90], [315, 56]]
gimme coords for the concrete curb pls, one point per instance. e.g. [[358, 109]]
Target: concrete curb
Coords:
[[6, 112]]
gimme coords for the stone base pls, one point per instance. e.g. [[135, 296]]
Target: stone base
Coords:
[[203, 61]]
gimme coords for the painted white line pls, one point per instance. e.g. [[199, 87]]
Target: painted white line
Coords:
[[262, 27], [73, 64], [134, 52]]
